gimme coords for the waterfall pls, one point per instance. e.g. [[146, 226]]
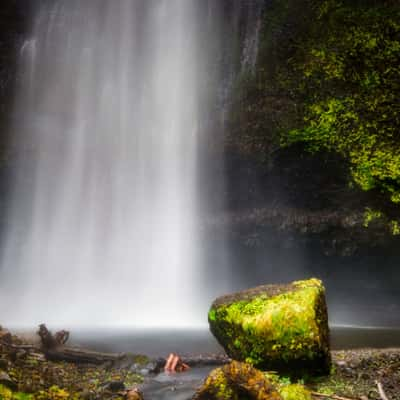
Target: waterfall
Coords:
[[116, 104], [102, 222]]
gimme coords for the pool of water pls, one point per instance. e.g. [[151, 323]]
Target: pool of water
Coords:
[[161, 342]]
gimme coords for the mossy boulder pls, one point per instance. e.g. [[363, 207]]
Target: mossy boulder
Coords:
[[295, 392], [283, 328], [237, 381]]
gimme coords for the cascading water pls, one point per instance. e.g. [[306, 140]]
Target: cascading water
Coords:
[[111, 121], [103, 217]]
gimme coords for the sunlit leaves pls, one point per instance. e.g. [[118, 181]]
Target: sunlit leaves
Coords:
[[352, 92]]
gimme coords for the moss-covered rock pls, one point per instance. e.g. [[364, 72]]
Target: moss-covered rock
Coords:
[[295, 392], [236, 381], [277, 327]]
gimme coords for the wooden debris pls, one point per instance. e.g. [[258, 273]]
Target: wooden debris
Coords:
[[80, 356], [330, 396], [50, 341], [381, 391]]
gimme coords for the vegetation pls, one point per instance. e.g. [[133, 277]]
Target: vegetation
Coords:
[[327, 77]]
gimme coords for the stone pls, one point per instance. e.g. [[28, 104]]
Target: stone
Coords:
[[134, 394], [341, 363], [6, 381], [237, 381], [282, 328], [115, 386]]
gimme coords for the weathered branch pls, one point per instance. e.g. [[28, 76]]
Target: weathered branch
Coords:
[[50, 341], [381, 391], [330, 396], [206, 361], [80, 356]]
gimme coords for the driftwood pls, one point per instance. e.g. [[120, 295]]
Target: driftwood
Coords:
[[54, 349], [381, 391], [330, 396], [80, 356], [50, 341], [203, 361]]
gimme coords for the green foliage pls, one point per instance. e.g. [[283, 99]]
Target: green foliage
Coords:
[[328, 77], [7, 394], [351, 89], [53, 393], [371, 215]]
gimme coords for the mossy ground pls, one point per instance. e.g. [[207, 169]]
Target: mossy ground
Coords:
[[272, 326], [355, 372], [39, 379], [353, 375]]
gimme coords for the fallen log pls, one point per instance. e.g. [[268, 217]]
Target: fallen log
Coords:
[[80, 356], [83, 356]]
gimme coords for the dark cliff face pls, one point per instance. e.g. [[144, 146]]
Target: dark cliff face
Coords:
[[14, 26], [316, 190]]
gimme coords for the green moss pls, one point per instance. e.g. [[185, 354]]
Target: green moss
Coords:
[[282, 327], [140, 359], [211, 315], [295, 392], [237, 381], [7, 394], [54, 393]]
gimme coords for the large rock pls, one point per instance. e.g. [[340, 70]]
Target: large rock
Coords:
[[237, 381], [276, 327]]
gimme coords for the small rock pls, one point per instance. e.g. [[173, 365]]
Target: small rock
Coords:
[[348, 372], [134, 394], [115, 386], [341, 363], [365, 376], [86, 395], [150, 368], [144, 372], [6, 381]]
